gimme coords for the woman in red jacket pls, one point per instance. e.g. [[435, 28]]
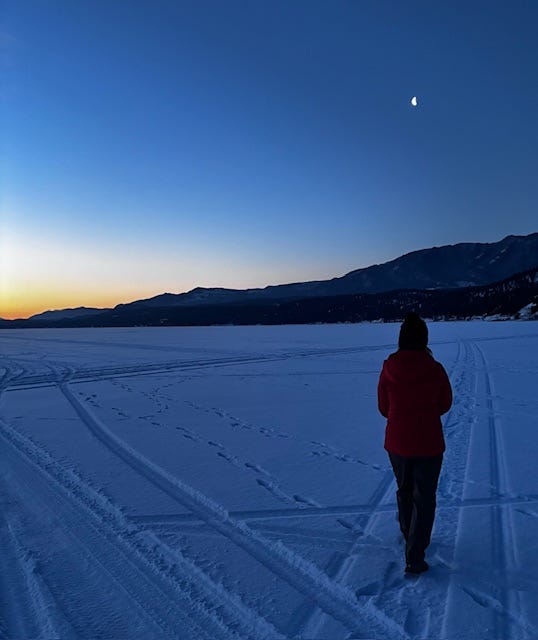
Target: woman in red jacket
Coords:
[[413, 393]]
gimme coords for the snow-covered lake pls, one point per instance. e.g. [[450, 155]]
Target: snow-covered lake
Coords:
[[231, 482]]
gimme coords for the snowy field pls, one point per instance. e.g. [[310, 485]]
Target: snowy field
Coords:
[[231, 482]]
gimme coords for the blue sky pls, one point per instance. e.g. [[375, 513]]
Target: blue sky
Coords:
[[157, 146]]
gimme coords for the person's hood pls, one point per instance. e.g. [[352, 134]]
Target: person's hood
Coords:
[[409, 366]]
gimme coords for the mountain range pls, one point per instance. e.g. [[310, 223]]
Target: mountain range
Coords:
[[446, 267], [412, 279]]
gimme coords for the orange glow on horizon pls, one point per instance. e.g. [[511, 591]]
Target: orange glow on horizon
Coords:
[[25, 306]]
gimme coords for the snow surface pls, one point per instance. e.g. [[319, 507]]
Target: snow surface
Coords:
[[231, 482]]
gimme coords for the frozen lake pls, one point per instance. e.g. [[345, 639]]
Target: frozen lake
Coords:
[[231, 482]]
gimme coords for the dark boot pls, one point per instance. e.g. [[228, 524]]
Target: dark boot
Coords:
[[417, 568]]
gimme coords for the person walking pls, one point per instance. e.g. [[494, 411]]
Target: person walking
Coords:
[[413, 393]]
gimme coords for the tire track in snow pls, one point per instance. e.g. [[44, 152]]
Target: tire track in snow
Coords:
[[426, 622], [305, 537], [27, 607], [106, 373], [503, 531], [165, 588], [459, 424], [78, 536], [37, 614], [11, 375], [439, 627], [335, 599], [315, 512], [308, 619]]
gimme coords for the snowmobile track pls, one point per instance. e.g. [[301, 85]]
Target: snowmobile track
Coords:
[[336, 600], [26, 380], [504, 547], [164, 589]]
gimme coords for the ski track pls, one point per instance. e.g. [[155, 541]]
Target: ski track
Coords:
[[338, 601]]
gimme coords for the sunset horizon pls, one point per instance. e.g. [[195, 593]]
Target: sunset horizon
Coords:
[[268, 319], [79, 299], [240, 145]]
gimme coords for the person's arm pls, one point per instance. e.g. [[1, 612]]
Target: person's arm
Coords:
[[382, 395], [445, 397]]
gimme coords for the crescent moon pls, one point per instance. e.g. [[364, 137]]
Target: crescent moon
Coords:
[[414, 101]]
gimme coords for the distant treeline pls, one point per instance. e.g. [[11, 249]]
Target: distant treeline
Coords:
[[503, 298]]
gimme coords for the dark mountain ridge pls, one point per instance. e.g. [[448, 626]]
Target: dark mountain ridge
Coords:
[[506, 298], [446, 267], [62, 314], [450, 267]]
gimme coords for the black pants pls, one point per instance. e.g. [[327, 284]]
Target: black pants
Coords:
[[417, 484]]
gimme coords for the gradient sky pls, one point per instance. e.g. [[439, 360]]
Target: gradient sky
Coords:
[[151, 146]]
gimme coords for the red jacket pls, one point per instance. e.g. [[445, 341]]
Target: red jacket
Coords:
[[413, 393]]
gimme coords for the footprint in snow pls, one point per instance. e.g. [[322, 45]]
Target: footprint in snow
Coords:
[[370, 589], [415, 623], [393, 576], [275, 490], [257, 468], [350, 526], [526, 512], [303, 500], [229, 458], [483, 599]]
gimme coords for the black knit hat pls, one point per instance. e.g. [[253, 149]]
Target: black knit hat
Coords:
[[413, 333]]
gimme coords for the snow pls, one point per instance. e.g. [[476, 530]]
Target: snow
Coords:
[[230, 482], [527, 312]]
